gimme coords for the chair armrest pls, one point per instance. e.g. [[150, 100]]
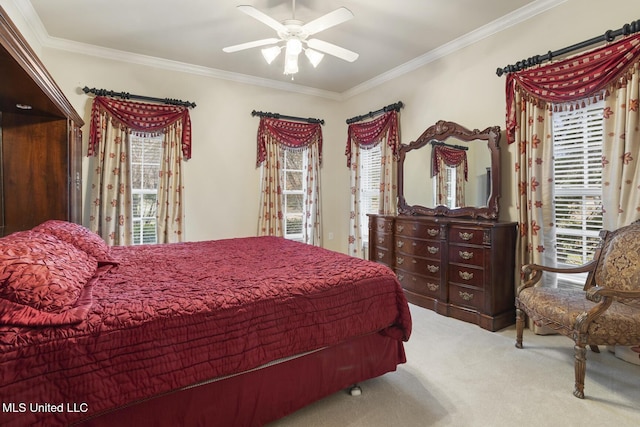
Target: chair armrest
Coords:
[[603, 297], [597, 293], [537, 270]]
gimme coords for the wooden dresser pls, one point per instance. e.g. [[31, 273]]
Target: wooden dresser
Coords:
[[463, 268]]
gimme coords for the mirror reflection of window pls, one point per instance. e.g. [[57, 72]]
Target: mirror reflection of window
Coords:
[[447, 182], [450, 170]]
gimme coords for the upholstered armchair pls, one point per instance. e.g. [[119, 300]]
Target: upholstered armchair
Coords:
[[605, 312]]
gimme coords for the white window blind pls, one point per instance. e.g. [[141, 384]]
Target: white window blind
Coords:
[[146, 155], [294, 180], [577, 142], [369, 191]]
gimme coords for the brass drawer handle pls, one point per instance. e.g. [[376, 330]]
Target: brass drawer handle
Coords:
[[400, 243], [380, 255], [432, 249], [400, 277], [465, 255], [400, 228], [399, 260], [380, 240], [465, 295], [466, 275], [433, 268], [432, 286], [432, 232], [465, 236]]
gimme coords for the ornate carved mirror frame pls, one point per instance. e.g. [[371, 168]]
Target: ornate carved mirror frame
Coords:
[[440, 132]]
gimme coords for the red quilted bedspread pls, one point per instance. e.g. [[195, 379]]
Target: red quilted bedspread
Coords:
[[168, 316]]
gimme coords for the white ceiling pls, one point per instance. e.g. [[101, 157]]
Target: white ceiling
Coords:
[[391, 37]]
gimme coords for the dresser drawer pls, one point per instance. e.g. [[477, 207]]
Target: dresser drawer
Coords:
[[421, 285], [383, 239], [382, 255], [473, 236], [427, 267], [471, 255], [421, 230], [467, 297], [381, 224], [424, 248], [466, 275]]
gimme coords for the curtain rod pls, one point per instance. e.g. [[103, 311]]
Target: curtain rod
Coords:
[[397, 106], [282, 116], [608, 36], [459, 147], [126, 95]]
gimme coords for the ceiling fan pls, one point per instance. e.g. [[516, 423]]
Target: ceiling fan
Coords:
[[293, 37]]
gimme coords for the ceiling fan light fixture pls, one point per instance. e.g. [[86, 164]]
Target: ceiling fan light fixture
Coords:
[[271, 53], [313, 56], [294, 46], [291, 63]]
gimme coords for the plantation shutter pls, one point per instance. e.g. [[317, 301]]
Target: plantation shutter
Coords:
[[577, 141], [370, 169]]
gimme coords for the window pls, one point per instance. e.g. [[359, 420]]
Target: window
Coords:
[[294, 179], [370, 170], [146, 155], [577, 150]]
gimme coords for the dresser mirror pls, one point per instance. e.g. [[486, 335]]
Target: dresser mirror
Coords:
[[450, 171]]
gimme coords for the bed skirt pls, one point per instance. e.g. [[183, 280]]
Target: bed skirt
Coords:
[[260, 396]]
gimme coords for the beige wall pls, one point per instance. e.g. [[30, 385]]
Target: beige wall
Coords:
[[222, 182]]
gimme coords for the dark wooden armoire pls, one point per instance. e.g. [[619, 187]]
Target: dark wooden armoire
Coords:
[[40, 140]]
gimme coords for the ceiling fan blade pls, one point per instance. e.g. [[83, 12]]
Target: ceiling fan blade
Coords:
[[249, 45], [329, 20], [262, 17], [332, 49]]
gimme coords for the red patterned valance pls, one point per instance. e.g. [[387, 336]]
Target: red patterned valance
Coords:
[[142, 117], [290, 134], [452, 157], [368, 134], [573, 79]]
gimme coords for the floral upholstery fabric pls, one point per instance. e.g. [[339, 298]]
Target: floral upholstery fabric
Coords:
[[560, 308], [619, 267]]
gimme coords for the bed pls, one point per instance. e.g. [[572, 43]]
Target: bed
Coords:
[[228, 332]]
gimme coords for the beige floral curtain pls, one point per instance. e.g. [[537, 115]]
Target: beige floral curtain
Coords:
[[112, 121], [312, 226], [274, 136], [170, 206], [271, 216], [363, 136], [534, 173], [111, 187], [621, 153]]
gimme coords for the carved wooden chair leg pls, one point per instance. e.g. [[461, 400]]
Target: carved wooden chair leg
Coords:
[[519, 327], [580, 367]]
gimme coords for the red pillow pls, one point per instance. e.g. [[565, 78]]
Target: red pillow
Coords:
[[39, 271], [79, 236]]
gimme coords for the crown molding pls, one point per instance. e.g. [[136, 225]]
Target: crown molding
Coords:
[[524, 13], [501, 24]]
